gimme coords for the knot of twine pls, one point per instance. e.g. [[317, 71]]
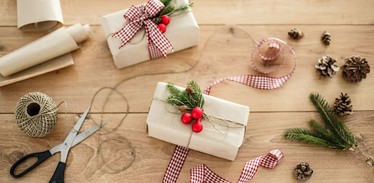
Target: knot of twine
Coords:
[[36, 114]]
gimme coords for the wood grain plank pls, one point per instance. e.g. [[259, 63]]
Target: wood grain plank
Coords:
[[87, 164], [94, 69], [253, 12]]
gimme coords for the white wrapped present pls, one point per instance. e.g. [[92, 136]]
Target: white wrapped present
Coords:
[[223, 132], [182, 32]]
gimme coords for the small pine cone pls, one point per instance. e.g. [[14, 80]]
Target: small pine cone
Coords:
[[355, 69], [295, 33], [182, 108], [326, 66], [303, 171], [342, 105], [190, 89], [326, 38]]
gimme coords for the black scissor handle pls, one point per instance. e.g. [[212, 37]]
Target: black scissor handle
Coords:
[[41, 156], [58, 176]]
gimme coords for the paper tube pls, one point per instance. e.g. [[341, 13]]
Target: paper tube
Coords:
[[57, 43], [214, 140], [34, 15]]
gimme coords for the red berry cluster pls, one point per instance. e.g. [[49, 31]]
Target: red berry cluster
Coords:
[[196, 114], [165, 20]]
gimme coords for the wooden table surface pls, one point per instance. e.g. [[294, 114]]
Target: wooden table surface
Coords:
[[103, 157]]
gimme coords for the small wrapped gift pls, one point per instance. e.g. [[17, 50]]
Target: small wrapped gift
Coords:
[[224, 124], [134, 37]]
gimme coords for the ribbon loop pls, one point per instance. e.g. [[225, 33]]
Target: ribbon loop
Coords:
[[139, 16]]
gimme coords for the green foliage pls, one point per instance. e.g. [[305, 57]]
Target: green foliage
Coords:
[[170, 9], [178, 97], [334, 133]]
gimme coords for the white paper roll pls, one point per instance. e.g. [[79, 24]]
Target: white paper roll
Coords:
[[57, 43], [38, 15]]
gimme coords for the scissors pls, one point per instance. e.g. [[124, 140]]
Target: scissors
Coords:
[[70, 141]]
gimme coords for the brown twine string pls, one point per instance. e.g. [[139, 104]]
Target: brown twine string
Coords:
[[36, 114], [113, 89]]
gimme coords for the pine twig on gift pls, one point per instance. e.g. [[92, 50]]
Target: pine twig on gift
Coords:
[[191, 97]]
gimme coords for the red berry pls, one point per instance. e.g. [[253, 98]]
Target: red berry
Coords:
[[197, 126], [162, 28], [165, 19], [197, 112], [186, 118]]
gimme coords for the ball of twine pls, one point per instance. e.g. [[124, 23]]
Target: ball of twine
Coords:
[[36, 114]]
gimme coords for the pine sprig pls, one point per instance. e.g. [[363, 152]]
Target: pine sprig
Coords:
[[335, 134], [190, 99], [170, 10]]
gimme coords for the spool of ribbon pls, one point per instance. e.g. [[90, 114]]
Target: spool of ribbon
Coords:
[[36, 114], [202, 174], [139, 16], [264, 81]]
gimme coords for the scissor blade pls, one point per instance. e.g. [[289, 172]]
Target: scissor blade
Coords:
[[83, 135], [71, 136], [80, 121], [79, 138]]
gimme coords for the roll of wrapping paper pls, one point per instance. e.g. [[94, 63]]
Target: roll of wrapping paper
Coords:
[[38, 15], [57, 43]]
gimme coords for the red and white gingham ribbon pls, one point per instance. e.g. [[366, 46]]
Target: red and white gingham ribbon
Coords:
[[202, 174], [260, 82], [139, 16]]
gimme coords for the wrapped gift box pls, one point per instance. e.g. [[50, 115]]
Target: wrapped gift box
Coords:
[[217, 140], [182, 32]]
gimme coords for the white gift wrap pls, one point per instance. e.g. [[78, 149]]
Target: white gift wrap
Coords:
[[167, 126], [182, 32]]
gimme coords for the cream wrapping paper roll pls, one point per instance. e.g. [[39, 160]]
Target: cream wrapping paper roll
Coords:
[[57, 43], [38, 15]]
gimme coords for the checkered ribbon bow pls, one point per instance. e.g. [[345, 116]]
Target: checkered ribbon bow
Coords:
[[139, 16], [202, 174]]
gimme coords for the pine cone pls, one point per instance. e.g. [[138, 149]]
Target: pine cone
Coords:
[[326, 66], [342, 105], [182, 108], [190, 89], [295, 33], [326, 38], [355, 69], [303, 171]]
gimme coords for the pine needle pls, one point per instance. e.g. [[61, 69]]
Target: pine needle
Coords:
[[178, 97], [335, 134]]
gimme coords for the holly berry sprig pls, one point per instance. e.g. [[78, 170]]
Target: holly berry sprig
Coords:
[[162, 19], [189, 101]]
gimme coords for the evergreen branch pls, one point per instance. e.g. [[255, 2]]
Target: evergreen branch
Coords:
[[181, 9], [166, 2], [307, 136], [191, 99], [335, 135], [338, 128], [323, 133], [172, 89]]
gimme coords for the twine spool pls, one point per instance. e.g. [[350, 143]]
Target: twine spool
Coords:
[[36, 114]]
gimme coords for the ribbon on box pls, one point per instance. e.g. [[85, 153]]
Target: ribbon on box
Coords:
[[139, 16], [202, 174]]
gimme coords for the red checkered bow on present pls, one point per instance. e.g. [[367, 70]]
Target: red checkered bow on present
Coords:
[[139, 16]]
